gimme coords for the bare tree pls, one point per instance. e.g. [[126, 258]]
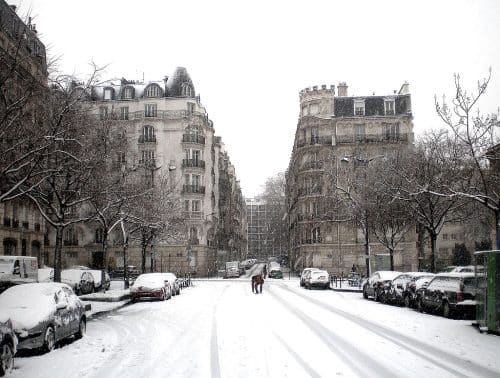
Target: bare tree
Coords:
[[478, 136]]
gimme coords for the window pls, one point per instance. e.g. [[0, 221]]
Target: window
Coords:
[[392, 130], [70, 237], [445, 236], [314, 135], [359, 107], [389, 107], [148, 134], [124, 112], [99, 235], [187, 90], [190, 108], [153, 91], [196, 205], [103, 113], [147, 156], [150, 110], [128, 93], [108, 93], [359, 131]]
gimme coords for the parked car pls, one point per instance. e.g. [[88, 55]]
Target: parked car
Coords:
[[374, 285], [413, 289], [175, 283], [81, 281], [97, 274], [151, 285], [274, 270], [450, 294], [15, 270], [42, 314], [303, 275], [398, 290], [317, 278], [8, 347]]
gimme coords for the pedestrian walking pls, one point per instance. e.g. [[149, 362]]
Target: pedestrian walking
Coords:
[[259, 281], [264, 271], [254, 289]]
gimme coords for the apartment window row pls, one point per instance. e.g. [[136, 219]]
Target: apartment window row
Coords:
[[360, 109], [151, 91]]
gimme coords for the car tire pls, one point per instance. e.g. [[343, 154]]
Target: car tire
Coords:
[[82, 329], [163, 296], [49, 339], [365, 294], [407, 301], [446, 310], [6, 358], [420, 306], [376, 296]]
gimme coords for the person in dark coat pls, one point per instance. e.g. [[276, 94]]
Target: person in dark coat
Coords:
[[259, 281], [264, 271], [254, 289]]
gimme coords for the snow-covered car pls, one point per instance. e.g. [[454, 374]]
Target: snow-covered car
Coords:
[[8, 347], [97, 274], [450, 294], [42, 314], [317, 278], [175, 283], [81, 281], [400, 289], [374, 285], [150, 285], [413, 288], [303, 275], [274, 270]]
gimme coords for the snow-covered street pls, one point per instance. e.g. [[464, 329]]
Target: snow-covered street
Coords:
[[219, 328]]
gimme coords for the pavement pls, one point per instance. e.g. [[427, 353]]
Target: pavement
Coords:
[[104, 302]]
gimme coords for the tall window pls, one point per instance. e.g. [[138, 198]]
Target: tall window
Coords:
[[153, 90], [108, 93], [150, 110], [316, 235], [147, 156], [148, 134], [128, 93], [314, 135], [359, 131], [359, 107], [190, 108], [187, 90], [124, 112], [392, 130], [103, 113], [389, 107], [99, 235], [195, 206]]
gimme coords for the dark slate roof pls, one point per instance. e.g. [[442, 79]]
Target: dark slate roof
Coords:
[[374, 105], [176, 81]]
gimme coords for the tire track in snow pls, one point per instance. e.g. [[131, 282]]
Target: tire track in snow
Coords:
[[297, 358], [445, 361], [354, 358], [214, 345]]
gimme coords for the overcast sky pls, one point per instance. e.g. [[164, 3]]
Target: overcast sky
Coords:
[[249, 59]]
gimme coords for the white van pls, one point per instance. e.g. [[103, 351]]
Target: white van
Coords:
[[18, 269]]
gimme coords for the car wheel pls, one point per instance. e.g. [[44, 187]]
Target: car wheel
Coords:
[[365, 294], [407, 301], [6, 358], [82, 329], [420, 306], [49, 340], [383, 298], [375, 295], [163, 296], [446, 310]]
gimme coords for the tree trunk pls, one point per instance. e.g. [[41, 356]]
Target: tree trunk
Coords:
[[58, 253], [143, 254], [433, 237], [125, 263], [391, 258], [104, 259]]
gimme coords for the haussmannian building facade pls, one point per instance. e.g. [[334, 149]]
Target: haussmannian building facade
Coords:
[[337, 129], [169, 131], [24, 68]]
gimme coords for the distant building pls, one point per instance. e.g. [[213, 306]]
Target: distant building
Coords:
[[333, 130], [23, 72], [170, 134]]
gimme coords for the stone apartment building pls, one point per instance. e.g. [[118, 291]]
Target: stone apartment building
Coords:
[[337, 130], [23, 71], [170, 134]]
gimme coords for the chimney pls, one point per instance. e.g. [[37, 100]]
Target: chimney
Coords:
[[342, 89], [405, 89]]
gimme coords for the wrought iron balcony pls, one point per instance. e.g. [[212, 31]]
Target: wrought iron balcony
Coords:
[[147, 139], [193, 214], [309, 190], [191, 138], [193, 189], [190, 163], [373, 138]]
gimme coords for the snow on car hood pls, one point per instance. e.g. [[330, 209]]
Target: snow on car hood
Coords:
[[27, 305]]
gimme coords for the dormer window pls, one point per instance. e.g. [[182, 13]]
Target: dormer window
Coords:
[[108, 93], [152, 90], [389, 107], [187, 90], [128, 93], [359, 107]]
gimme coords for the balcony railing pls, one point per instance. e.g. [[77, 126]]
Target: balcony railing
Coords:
[[147, 139], [193, 189], [167, 114], [191, 138], [193, 214], [310, 165], [373, 138], [190, 163], [148, 163], [309, 190]]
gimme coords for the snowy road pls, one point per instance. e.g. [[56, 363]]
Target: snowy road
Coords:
[[221, 329]]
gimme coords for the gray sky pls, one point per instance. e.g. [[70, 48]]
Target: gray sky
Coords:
[[249, 59]]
